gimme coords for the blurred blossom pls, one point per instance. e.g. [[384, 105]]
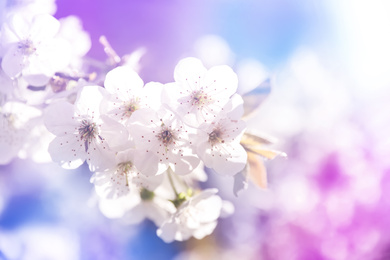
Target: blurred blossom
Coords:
[[296, 196], [251, 73], [330, 171], [213, 50], [329, 191]]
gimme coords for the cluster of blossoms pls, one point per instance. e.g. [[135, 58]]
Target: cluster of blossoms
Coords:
[[148, 145]]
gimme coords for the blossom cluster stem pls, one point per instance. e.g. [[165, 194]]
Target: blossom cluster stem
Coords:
[[171, 181]]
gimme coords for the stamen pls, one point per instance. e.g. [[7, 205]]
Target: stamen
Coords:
[[124, 168], [166, 136], [26, 47], [216, 136], [87, 131], [130, 107], [199, 98]]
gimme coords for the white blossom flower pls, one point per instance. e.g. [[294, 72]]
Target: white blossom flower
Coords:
[[7, 87], [31, 8], [219, 146], [129, 94], [37, 144], [199, 95], [141, 203], [15, 125], [71, 30], [196, 217], [31, 50], [29, 94], [119, 180], [162, 141], [218, 143], [197, 175], [82, 134], [148, 146]]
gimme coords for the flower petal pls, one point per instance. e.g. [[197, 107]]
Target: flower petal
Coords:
[[67, 151], [123, 80], [88, 100], [229, 160], [99, 156], [148, 163], [168, 232], [59, 118], [189, 69], [19, 27], [222, 81], [205, 230], [110, 184], [115, 134], [44, 27], [184, 164], [13, 62]]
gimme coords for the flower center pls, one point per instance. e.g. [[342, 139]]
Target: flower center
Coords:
[[130, 107], [216, 136], [199, 98], [7, 119], [87, 131], [124, 167], [166, 136], [26, 47]]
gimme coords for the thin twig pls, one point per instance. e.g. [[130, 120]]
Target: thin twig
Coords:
[[114, 58]]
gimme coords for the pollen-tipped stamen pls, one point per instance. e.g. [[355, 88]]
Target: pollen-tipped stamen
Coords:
[[87, 131], [199, 98], [130, 107], [166, 136], [215, 136], [124, 168], [26, 47]]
